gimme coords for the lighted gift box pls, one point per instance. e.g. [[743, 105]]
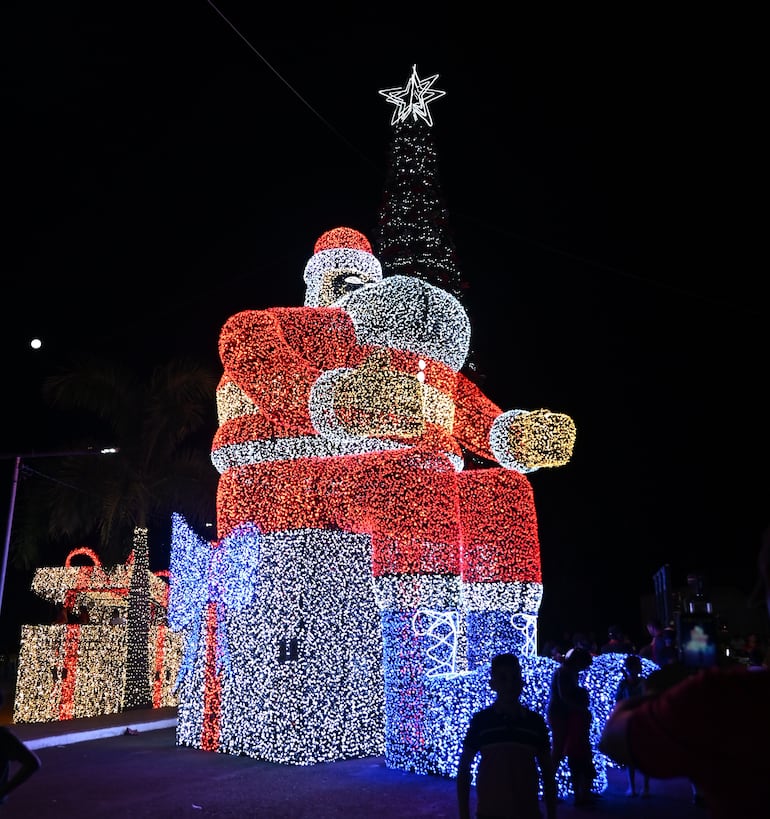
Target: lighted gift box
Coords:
[[74, 669]]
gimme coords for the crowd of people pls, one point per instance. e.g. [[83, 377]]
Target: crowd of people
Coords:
[[751, 649], [705, 724]]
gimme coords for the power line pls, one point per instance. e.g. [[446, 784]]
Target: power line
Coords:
[[291, 87]]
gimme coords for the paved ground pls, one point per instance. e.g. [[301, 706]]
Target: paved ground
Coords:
[[94, 769]]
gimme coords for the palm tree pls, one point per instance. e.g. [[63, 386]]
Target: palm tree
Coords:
[[163, 428], [163, 425]]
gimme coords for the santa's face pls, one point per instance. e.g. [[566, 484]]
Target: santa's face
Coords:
[[336, 272], [338, 282]]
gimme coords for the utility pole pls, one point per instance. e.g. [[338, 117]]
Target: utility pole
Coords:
[[14, 484]]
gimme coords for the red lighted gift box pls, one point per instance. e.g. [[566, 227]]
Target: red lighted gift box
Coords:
[[76, 668]]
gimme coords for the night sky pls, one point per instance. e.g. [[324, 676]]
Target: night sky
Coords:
[[167, 165]]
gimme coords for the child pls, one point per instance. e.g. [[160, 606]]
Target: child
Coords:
[[570, 719], [632, 685], [513, 742]]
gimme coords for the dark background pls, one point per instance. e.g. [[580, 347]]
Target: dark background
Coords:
[[168, 164]]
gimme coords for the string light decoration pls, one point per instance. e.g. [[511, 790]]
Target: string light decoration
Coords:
[[413, 233], [73, 670], [413, 100], [137, 689], [346, 252], [303, 682], [359, 572], [451, 699]]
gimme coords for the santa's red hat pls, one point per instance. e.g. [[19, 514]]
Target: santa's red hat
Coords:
[[341, 248]]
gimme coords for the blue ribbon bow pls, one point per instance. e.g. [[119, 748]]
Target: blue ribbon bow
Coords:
[[224, 572]]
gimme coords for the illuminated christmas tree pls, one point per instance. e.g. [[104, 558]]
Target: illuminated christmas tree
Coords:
[[137, 693], [414, 238]]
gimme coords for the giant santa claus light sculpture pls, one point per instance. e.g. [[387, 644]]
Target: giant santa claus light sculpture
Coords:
[[359, 568]]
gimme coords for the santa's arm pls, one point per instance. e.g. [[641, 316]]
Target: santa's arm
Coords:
[[474, 416], [275, 356], [521, 440]]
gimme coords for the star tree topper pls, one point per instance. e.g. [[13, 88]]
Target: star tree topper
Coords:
[[414, 98]]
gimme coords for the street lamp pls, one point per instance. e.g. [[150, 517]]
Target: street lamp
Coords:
[[14, 484]]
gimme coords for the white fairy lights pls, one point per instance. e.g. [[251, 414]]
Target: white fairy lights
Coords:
[[362, 577], [73, 670], [413, 99]]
